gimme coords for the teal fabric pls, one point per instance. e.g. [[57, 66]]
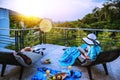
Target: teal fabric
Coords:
[[83, 46], [69, 56], [94, 51]]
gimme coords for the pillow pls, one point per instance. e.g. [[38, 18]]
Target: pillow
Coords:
[[27, 58]]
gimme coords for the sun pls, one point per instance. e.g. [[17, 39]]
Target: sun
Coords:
[[45, 25], [30, 7]]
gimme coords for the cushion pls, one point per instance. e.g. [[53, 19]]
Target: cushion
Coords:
[[27, 58]]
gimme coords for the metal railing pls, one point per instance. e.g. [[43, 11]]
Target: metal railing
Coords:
[[73, 36], [20, 38], [59, 35]]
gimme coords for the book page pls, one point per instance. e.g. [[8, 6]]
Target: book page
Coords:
[[82, 51]]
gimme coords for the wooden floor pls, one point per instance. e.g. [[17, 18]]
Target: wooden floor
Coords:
[[54, 52]]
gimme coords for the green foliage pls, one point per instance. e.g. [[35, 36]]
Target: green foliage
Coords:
[[56, 36], [100, 24], [105, 39], [65, 37], [89, 18], [107, 17], [31, 39], [117, 39], [14, 21], [29, 22], [115, 24]]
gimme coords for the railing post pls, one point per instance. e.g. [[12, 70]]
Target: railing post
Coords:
[[16, 41], [44, 37], [96, 33], [41, 37], [21, 39], [66, 36]]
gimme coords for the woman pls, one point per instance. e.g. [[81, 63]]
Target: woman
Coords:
[[91, 49], [87, 51]]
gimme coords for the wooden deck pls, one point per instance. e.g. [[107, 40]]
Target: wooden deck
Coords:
[[54, 52]]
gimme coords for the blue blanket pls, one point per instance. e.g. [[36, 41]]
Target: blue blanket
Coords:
[[69, 56], [71, 75]]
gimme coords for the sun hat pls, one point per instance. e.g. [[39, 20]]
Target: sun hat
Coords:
[[91, 39]]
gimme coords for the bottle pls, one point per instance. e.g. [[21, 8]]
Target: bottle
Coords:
[[48, 74]]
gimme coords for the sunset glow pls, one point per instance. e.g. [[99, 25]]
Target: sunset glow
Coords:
[[30, 7], [56, 10]]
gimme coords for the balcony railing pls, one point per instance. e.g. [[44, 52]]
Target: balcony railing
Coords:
[[20, 38], [73, 36]]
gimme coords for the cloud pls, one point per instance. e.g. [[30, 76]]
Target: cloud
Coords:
[[57, 10]]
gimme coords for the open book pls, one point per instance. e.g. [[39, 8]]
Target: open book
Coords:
[[83, 52]]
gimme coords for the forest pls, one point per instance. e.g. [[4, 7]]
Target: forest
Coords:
[[107, 17]]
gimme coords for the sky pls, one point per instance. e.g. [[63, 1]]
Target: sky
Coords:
[[56, 10]]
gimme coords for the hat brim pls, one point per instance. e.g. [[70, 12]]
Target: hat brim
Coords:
[[88, 41]]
